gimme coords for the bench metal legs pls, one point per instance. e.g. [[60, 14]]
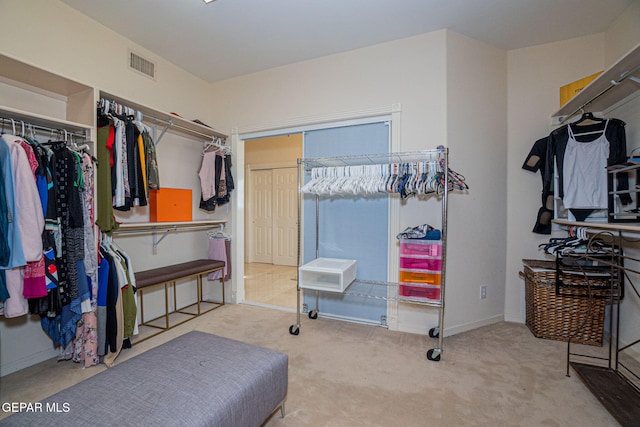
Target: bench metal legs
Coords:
[[167, 313]]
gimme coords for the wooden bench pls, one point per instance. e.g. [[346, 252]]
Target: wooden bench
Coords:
[[167, 276]]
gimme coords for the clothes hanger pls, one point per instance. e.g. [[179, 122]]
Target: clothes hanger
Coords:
[[591, 120], [587, 115]]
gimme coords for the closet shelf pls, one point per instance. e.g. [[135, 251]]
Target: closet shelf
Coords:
[[75, 97], [41, 120], [185, 126], [387, 291], [614, 85]]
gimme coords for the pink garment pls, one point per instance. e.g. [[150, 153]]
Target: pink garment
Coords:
[[34, 282], [207, 174], [33, 162], [218, 252]]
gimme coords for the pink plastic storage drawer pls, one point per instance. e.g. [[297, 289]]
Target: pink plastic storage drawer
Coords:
[[421, 247], [417, 276], [421, 263], [419, 292]]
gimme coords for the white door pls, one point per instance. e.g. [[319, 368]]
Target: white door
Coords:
[[262, 216], [285, 217], [273, 215]]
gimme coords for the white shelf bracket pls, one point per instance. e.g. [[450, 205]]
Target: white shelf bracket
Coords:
[[168, 125], [157, 241]]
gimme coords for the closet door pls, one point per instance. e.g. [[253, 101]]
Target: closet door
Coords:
[[285, 216], [349, 227], [262, 216], [273, 216]]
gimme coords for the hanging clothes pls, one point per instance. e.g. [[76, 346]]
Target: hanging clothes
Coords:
[[216, 180], [584, 172], [5, 251], [105, 155], [550, 151], [86, 340], [151, 161], [220, 250], [29, 220]]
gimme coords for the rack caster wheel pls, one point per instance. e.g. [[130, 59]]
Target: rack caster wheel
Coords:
[[313, 314], [294, 329], [434, 332], [434, 354]]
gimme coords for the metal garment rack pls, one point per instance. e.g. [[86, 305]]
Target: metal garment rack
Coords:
[[392, 288], [614, 377]]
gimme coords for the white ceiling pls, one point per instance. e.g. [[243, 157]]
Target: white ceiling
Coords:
[[228, 38]]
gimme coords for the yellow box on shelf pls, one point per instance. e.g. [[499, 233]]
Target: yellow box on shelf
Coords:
[[570, 90]]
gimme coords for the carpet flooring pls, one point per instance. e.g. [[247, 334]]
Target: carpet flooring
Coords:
[[347, 374]]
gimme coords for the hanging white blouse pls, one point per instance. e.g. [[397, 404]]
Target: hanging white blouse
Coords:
[[585, 175]]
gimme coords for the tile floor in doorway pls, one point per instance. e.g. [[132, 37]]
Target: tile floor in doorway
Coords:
[[269, 284]]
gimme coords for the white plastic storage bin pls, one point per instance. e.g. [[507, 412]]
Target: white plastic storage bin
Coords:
[[327, 274]]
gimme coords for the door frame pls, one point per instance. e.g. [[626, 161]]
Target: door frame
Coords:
[[391, 113]]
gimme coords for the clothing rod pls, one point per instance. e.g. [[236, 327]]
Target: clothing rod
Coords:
[[613, 84], [168, 228], [16, 123], [169, 122]]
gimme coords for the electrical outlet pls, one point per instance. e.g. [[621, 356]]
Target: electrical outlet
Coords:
[[483, 291]]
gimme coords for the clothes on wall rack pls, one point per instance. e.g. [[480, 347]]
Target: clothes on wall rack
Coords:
[[51, 267], [116, 301], [127, 162], [220, 250], [215, 176], [580, 151]]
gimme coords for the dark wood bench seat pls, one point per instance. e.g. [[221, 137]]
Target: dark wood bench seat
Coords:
[[173, 272], [167, 277]]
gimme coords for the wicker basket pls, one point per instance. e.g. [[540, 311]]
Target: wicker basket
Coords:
[[559, 317]]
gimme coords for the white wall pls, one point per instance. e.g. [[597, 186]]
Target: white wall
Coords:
[[477, 137], [623, 34], [535, 75]]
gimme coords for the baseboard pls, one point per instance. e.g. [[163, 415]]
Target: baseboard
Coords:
[[349, 319], [25, 362], [453, 330]]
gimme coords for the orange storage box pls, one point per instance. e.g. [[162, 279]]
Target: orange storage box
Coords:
[[170, 205], [420, 276]]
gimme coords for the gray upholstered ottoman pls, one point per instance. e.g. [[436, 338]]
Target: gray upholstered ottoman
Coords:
[[197, 379]]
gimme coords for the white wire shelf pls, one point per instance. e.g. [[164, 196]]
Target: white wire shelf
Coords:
[[374, 159], [387, 291]]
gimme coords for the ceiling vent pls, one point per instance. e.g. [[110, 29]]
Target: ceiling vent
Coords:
[[142, 65]]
